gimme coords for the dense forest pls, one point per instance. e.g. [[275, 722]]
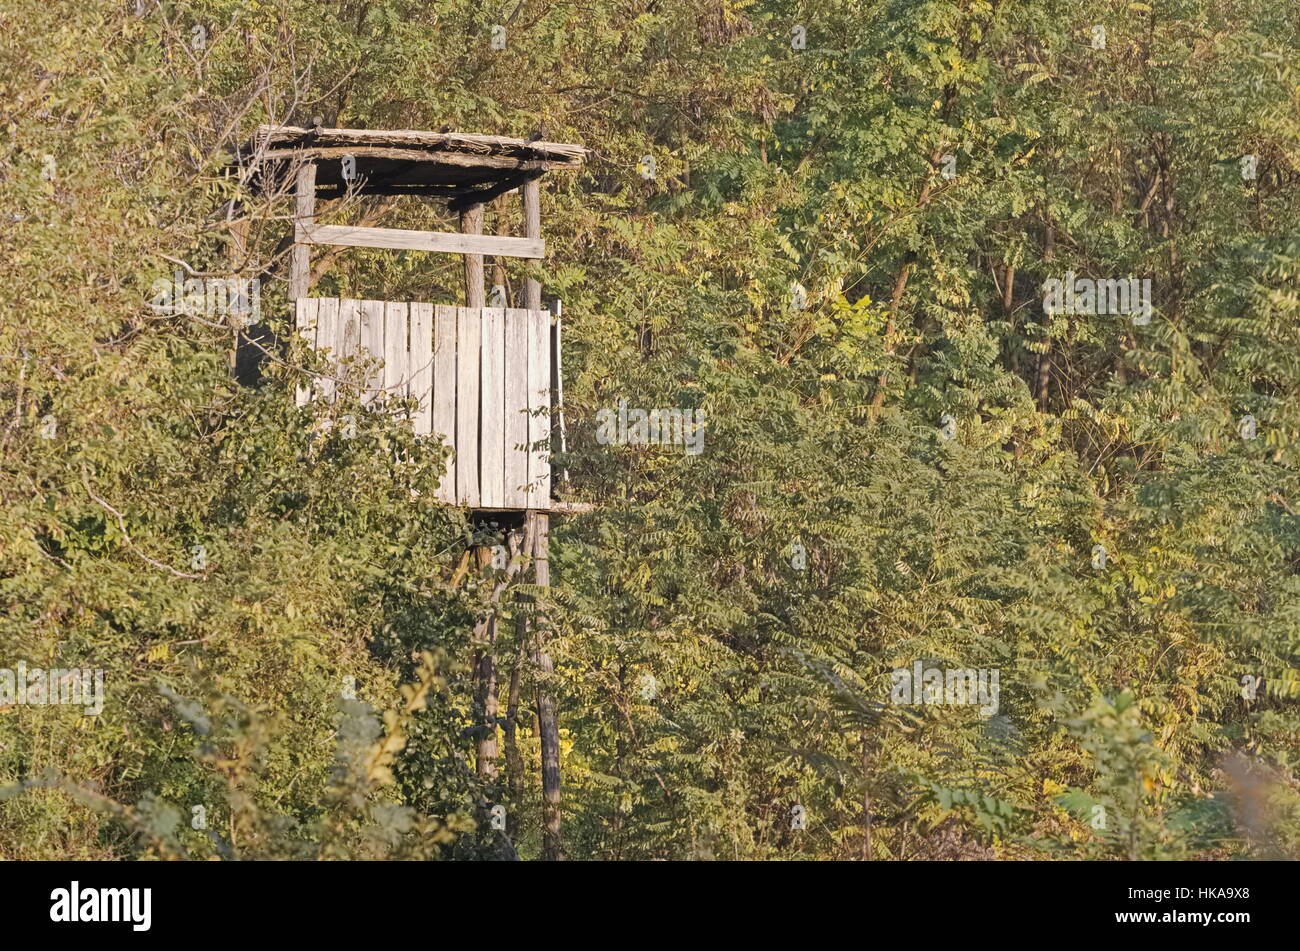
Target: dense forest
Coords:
[[988, 310]]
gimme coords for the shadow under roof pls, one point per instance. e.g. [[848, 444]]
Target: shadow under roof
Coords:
[[458, 166]]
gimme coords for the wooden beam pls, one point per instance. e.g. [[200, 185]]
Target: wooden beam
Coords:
[[539, 522], [366, 187], [501, 228], [304, 216], [274, 136], [485, 194], [458, 159], [471, 223], [553, 507], [533, 229], [547, 714], [396, 239]]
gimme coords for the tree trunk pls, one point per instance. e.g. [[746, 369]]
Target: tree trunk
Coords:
[[514, 761], [547, 721]]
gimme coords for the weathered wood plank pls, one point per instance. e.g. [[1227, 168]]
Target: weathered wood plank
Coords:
[[347, 338], [304, 215], [444, 394], [372, 342], [482, 377], [270, 135], [492, 402], [421, 364], [459, 159], [539, 408], [515, 409], [396, 368], [468, 332], [305, 316], [327, 319], [399, 240]]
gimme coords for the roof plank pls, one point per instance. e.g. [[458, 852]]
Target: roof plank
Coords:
[[274, 138]]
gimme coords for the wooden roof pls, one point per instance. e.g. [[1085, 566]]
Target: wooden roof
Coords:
[[454, 165]]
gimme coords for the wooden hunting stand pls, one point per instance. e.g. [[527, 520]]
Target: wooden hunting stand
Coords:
[[483, 376]]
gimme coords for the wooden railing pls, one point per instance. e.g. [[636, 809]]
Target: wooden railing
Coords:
[[482, 376]]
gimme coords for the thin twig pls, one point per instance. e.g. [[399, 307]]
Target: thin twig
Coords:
[[121, 522]]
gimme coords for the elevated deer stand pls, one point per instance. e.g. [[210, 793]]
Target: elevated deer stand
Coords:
[[482, 375]]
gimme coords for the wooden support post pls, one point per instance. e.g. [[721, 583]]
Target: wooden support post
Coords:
[[539, 533], [485, 696], [471, 222], [485, 673], [547, 717], [532, 229], [304, 216], [498, 262], [486, 687], [485, 676]]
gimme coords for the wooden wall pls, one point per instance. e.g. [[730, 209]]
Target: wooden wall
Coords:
[[482, 376]]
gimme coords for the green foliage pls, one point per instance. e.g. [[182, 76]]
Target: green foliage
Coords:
[[326, 562]]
